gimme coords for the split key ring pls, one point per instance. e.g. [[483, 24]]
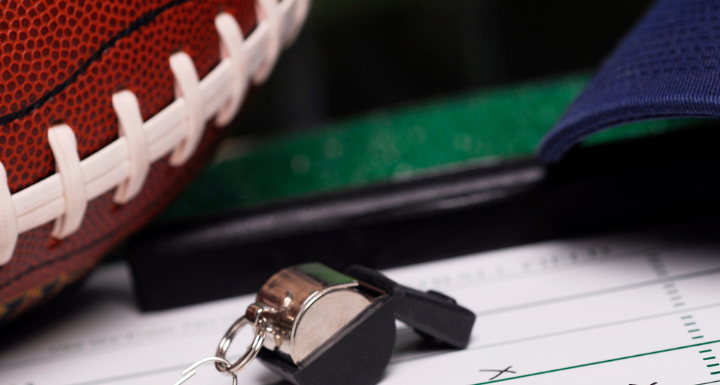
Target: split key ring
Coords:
[[252, 351], [221, 363]]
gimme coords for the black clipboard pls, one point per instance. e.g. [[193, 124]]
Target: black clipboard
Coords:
[[462, 211]]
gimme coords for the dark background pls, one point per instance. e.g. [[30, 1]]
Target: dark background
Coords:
[[354, 56]]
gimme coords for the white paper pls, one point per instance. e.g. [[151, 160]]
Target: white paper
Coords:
[[632, 309]]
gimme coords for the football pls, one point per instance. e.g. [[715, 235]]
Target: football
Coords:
[[108, 108]]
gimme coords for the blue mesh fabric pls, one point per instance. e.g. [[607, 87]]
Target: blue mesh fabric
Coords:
[[667, 67]]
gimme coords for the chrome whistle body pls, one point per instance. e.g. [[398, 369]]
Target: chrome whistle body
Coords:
[[317, 326], [306, 306]]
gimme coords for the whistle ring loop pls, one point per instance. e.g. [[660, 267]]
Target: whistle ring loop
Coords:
[[250, 353]]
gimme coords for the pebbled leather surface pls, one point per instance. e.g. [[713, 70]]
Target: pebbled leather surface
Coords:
[[62, 61]]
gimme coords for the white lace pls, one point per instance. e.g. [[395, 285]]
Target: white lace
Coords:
[[177, 130]]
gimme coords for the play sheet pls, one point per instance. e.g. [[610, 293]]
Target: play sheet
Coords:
[[636, 308]]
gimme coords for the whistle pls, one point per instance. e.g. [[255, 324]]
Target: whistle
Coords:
[[322, 327]]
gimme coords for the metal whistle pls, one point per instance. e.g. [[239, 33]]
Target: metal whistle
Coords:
[[317, 326]]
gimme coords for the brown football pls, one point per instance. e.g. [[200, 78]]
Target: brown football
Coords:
[[108, 108]]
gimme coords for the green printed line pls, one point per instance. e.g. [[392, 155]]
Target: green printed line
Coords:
[[600, 362], [706, 351], [709, 358], [697, 337], [693, 331], [715, 373], [711, 365], [686, 317], [690, 324]]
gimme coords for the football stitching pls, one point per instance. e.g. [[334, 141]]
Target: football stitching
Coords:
[[273, 22], [72, 253], [101, 239]]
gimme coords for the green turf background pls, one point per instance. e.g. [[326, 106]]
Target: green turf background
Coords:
[[486, 126]]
